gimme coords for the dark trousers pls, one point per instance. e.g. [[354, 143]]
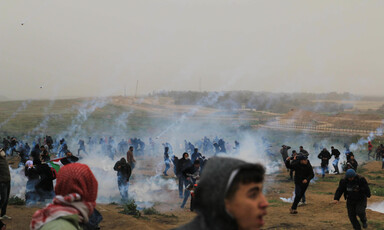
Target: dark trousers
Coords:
[[357, 208], [5, 189], [181, 185], [299, 193]]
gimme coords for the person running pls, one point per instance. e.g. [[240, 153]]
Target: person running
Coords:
[[335, 163], [191, 175], [303, 175], [303, 152], [182, 164], [370, 147], [130, 159], [324, 155], [167, 161], [284, 152], [356, 191], [81, 144], [123, 174]]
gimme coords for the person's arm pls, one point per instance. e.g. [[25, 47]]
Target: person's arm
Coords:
[[364, 187], [311, 174], [340, 190], [320, 156], [117, 166]]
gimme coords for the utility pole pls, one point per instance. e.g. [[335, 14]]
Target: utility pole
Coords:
[[137, 86]]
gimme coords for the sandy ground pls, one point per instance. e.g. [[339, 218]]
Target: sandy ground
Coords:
[[317, 214]]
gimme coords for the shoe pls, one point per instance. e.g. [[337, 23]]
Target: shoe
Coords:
[[291, 211], [5, 217], [365, 225], [165, 174], [302, 203]]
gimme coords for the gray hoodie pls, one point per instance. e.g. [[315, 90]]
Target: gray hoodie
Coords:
[[210, 195]]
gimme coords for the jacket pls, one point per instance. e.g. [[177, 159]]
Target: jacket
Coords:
[[302, 172], [5, 175], [354, 190], [210, 194], [324, 156]]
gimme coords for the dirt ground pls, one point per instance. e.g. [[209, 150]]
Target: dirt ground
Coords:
[[317, 214]]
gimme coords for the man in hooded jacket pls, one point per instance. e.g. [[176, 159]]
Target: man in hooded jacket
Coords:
[[229, 196]]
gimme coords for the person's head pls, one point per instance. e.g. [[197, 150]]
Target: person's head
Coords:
[[166, 149], [244, 199], [77, 178], [122, 160], [332, 148], [352, 157], [303, 159], [195, 149], [350, 174], [131, 148], [301, 148], [196, 163], [185, 155], [68, 154], [294, 153]]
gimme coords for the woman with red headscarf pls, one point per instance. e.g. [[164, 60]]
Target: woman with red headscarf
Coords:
[[76, 193]]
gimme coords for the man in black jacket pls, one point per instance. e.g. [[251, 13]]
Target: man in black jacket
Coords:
[[303, 175], [191, 175], [124, 172], [324, 156], [182, 164], [229, 196], [356, 191], [335, 163]]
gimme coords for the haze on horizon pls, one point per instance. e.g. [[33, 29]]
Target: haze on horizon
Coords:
[[97, 48]]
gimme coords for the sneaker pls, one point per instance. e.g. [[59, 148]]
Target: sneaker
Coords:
[[291, 211], [365, 225], [5, 217]]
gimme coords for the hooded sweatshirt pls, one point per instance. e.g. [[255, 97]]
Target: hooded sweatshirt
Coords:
[[210, 195]]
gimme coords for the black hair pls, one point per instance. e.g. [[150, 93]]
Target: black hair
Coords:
[[185, 153], [246, 176]]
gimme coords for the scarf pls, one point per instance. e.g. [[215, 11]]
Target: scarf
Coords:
[[63, 206]]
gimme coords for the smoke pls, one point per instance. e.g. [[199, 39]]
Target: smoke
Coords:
[[84, 110], [377, 207], [363, 141], [290, 199], [23, 106], [18, 182]]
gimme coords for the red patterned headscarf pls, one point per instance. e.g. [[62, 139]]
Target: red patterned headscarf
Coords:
[[76, 193]]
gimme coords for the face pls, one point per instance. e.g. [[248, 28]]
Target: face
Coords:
[[186, 156], [248, 206]]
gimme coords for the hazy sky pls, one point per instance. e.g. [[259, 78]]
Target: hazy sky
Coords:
[[96, 48]]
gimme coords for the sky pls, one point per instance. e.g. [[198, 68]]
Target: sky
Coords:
[[61, 49]]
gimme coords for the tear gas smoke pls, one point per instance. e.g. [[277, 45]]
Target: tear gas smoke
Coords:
[[23, 106], [363, 141], [377, 207]]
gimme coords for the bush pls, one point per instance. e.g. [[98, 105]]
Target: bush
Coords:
[[15, 200], [130, 208], [150, 211]]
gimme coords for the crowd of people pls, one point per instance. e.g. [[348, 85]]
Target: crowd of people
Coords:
[[77, 202]]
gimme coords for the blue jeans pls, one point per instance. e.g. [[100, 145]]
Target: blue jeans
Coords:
[[186, 191], [323, 170], [335, 164], [167, 166], [123, 188]]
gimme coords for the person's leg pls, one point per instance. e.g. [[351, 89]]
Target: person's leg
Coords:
[[322, 171], [5, 190], [360, 211], [299, 192], [181, 186], [351, 207], [291, 174], [336, 165], [186, 196]]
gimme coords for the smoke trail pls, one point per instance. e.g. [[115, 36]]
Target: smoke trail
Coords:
[[377, 207], [23, 106], [18, 182], [371, 137], [84, 110], [44, 123], [205, 101]]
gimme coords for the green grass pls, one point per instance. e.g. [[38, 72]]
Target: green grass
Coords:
[[130, 208], [375, 225], [377, 191], [150, 211], [15, 200], [375, 177]]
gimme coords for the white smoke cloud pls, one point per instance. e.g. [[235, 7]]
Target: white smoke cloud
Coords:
[[377, 207]]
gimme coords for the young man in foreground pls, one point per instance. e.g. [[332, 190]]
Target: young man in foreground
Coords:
[[229, 196]]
